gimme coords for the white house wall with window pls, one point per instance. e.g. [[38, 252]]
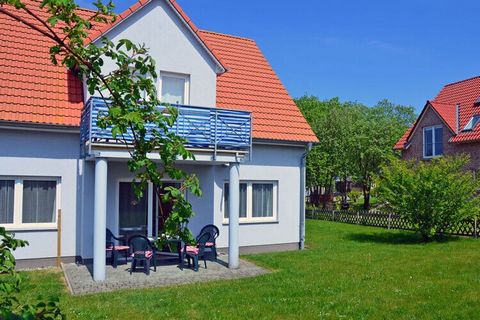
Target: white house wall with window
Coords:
[[187, 75], [53, 164], [38, 177], [270, 192]]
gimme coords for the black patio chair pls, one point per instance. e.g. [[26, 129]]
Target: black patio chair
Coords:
[[196, 252], [211, 243], [142, 252], [115, 245]]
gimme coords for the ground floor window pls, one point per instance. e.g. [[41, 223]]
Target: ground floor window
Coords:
[[29, 202], [258, 201]]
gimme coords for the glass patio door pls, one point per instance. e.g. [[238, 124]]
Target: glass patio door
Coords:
[[139, 216], [133, 212]]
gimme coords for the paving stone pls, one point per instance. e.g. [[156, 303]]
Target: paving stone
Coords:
[[80, 281]]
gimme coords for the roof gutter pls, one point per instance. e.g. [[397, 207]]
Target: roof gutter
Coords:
[[283, 143], [27, 126], [303, 187]]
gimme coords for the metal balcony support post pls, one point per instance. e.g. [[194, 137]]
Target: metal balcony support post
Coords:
[[234, 217], [216, 135], [250, 154], [100, 219], [90, 123]]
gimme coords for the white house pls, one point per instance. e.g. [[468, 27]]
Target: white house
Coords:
[[248, 136]]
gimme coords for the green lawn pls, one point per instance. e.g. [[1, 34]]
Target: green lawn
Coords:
[[348, 272]]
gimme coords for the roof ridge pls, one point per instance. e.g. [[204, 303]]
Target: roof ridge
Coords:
[[460, 81], [226, 35], [441, 102]]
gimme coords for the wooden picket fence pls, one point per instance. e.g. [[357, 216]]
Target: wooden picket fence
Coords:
[[467, 228]]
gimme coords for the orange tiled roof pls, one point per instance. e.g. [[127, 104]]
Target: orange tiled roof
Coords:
[[447, 112], [402, 142], [32, 90], [251, 84], [463, 93]]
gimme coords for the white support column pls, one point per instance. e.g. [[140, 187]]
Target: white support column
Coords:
[[151, 228], [100, 219], [234, 215]]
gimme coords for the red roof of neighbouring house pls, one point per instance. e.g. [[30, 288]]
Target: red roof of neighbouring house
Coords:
[[32, 90], [463, 93]]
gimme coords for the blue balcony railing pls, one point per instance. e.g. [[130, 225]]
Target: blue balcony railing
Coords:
[[211, 128]]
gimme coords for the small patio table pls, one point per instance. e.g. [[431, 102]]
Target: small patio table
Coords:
[[175, 241]]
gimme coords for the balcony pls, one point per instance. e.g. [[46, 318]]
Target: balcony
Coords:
[[212, 130]]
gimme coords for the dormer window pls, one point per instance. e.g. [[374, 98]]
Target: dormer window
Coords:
[[472, 123], [477, 102], [432, 141], [174, 88]]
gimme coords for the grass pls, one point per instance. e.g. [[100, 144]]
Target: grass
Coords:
[[348, 272]]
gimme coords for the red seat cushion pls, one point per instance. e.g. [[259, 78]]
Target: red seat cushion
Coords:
[[148, 254], [118, 248], [192, 250]]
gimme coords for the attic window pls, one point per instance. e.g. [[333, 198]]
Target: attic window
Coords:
[[472, 123], [477, 102]]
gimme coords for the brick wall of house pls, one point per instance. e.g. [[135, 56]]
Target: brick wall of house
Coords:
[[431, 118]]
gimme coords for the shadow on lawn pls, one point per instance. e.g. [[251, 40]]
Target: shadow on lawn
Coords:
[[395, 238]]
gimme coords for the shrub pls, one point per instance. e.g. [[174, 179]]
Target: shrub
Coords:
[[10, 280], [431, 195]]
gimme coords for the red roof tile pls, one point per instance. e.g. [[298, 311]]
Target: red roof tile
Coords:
[[251, 84], [447, 112], [463, 93], [33, 90], [401, 144]]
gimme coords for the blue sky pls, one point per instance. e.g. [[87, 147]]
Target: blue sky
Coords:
[[357, 50]]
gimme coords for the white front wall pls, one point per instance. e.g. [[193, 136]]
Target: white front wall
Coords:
[[269, 163], [40, 154], [174, 48], [27, 153]]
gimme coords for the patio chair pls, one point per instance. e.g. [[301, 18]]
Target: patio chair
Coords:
[[197, 252], [142, 252], [115, 245], [212, 242]]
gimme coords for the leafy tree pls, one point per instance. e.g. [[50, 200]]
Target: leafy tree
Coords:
[[332, 122], [431, 195], [376, 132], [129, 91], [10, 306], [354, 140]]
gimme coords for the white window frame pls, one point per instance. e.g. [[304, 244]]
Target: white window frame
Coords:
[[470, 126], [18, 204], [250, 218], [186, 77], [434, 153]]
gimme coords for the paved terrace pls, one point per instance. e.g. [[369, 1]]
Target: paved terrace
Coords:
[[80, 281]]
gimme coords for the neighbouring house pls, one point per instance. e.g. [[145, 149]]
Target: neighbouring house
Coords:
[[447, 125], [246, 131]]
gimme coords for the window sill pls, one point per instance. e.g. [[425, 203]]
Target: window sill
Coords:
[[432, 157], [248, 222], [46, 227]]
